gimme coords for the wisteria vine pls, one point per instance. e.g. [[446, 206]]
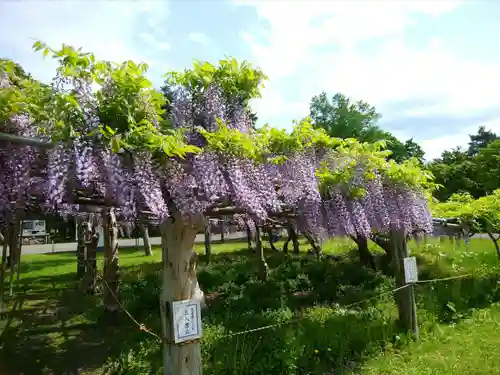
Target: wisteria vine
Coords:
[[204, 154]]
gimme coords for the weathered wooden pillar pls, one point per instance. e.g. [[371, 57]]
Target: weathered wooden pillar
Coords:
[[111, 271], [249, 237], [405, 298], [145, 238], [91, 240], [14, 251], [80, 248], [3, 269], [263, 267], [208, 242], [222, 230]]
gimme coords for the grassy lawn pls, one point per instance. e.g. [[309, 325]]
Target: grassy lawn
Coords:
[[51, 328]]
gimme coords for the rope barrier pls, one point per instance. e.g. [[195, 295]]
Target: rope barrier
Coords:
[[444, 279], [143, 328]]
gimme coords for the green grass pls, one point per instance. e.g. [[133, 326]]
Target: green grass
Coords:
[[51, 328]]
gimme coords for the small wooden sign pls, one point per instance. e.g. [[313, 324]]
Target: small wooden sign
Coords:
[[186, 320], [411, 273]]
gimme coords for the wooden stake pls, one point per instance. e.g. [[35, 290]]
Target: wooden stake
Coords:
[[91, 241], [111, 271], [80, 249], [405, 298], [249, 237], [208, 242], [145, 238], [263, 267]]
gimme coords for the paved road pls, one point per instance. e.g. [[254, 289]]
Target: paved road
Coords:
[[71, 246]]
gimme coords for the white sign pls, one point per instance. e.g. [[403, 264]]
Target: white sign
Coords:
[[187, 320], [411, 274]]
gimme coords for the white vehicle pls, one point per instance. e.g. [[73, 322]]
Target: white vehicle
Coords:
[[35, 230]]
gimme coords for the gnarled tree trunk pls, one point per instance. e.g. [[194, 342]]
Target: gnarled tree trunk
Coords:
[[365, 256], [111, 272], [145, 239], [80, 249], [495, 242], [314, 244], [269, 231], [384, 243], [291, 236], [179, 283]]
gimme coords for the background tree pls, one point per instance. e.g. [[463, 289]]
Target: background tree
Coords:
[[488, 166], [480, 140], [456, 172], [474, 170], [342, 118]]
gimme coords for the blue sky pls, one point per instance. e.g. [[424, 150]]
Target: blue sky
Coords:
[[432, 68]]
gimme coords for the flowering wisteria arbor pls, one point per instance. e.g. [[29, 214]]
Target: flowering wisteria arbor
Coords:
[[111, 143]]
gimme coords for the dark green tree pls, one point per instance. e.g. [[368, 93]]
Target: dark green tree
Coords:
[[343, 118], [457, 172], [488, 166], [480, 140]]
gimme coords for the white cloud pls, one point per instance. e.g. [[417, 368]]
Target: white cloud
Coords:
[[434, 147], [102, 27], [318, 43], [154, 42], [199, 38]]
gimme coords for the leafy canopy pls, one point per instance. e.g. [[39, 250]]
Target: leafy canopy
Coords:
[[354, 163], [240, 82], [129, 110], [128, 107], [344, 118], [482, 214]]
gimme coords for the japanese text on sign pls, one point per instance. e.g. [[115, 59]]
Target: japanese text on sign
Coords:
[[411, 273], [186, 320]]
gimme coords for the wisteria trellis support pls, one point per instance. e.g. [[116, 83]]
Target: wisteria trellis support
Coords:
[[12, 240]]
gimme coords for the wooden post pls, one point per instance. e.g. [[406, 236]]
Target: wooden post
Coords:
[[80, 249], [91, 241], [249, 237], [222, 227], [145, 239], [405, 298], [263, 267], [179, 283], [3, 269], [111, 271], [14, 251], [208, 242], [365, 256]]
